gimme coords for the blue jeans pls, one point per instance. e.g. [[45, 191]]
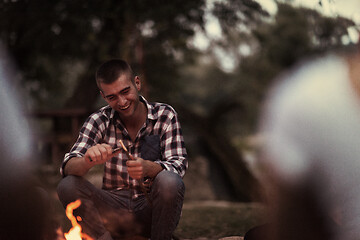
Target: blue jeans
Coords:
[[112, 214]]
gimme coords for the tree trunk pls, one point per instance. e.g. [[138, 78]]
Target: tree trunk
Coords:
[[241, 180]]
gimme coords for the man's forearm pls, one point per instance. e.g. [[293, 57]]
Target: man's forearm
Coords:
[[77, 166]]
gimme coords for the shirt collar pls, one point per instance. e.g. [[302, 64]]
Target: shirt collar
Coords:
[[152, 114]]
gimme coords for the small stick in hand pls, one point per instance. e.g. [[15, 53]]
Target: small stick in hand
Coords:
[[126, 151], [140, 181], [116, 150]]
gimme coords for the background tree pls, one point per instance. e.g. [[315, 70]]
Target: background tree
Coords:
[[226, 104], [49, 40]]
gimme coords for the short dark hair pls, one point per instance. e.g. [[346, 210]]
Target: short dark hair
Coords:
[[111, 70]]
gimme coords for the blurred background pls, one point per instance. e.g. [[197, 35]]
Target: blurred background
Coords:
[[213, 60]]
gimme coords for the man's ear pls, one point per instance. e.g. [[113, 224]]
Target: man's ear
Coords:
[[137, 83]]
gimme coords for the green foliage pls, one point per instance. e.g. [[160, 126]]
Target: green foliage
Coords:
[[276, 44], [43, 36], [48, 38]]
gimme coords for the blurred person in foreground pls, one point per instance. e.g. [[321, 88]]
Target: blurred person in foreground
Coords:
[[25, 209], [311, 154], [153, 136]]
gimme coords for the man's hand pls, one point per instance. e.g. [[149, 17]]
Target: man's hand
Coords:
[[99, 154], [139, 168], [136, 168]]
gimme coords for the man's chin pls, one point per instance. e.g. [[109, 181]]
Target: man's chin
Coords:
[[125, 113]]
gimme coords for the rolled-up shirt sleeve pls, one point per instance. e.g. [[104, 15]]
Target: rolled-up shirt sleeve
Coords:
[[174, 155], [89, 136]]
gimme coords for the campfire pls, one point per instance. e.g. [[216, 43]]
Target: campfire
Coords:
[[125, 227], [75, 232]]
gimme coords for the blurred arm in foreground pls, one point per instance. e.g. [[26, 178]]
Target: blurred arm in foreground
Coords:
[[310, 157], [25, 209]]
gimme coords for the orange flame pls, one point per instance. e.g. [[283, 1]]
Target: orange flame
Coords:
[[75, 232]]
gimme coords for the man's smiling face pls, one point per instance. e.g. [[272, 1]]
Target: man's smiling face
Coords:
[[122, 95]]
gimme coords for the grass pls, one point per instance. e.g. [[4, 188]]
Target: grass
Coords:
[[214, 220]]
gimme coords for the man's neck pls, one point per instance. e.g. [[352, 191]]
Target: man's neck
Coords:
[[134, 124]]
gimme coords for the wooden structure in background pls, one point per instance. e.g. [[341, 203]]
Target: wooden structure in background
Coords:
[[57, 130]]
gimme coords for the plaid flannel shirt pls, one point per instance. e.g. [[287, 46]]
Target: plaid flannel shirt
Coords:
[[104, 126]]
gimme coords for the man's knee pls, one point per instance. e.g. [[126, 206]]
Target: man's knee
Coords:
[[71, 188], [169, 185], [68, 183]]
